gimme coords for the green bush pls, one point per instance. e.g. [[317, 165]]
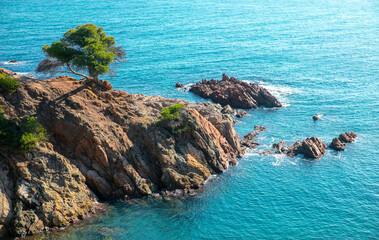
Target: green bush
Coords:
[[171, 112], [22, 136], [8, 83]]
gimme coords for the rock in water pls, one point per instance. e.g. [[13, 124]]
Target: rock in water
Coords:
[[313, 147], [339, 143], [236, 93], [241, 114], [179, 85], [315, 117]]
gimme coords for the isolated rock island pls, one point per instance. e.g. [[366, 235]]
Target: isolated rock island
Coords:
[[236, 93]]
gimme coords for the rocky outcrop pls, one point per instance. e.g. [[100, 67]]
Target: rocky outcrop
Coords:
[[108, 143], [339, 143], [236, 93], [311, 148]]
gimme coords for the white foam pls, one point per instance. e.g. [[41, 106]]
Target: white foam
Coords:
[[279, 91], [14, 63], [186, 87]]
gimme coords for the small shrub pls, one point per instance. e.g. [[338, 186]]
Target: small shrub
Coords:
[[2, 110], [170, 119], [171, 112], [8, 83], [22, 136]]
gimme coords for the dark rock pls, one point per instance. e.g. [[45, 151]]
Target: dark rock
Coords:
[[12, 61], [312, 147], [315, 117], [258, 128], [337, 145], [225, 77], [236, 93], [278, 146], [347, 137], [250, 136], [293, 150], [241, 114], [179, 85]]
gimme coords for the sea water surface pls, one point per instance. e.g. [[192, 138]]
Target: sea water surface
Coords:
[[317, 56]]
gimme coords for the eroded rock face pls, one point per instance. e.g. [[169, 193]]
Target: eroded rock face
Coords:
[[48, 191], [236, 93], [109, 142]]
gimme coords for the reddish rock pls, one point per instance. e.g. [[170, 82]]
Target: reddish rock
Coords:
[[258, 128], [179, 85], [313, 147], [315, 117], [337, 145], [236, 93], [12, 61], [347, 137]]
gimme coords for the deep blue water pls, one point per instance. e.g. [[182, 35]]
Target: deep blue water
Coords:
[[317, 56]]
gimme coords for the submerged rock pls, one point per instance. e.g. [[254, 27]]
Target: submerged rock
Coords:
[[236, 93], [248, 141]]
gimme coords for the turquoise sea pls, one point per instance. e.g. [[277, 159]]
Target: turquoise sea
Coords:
[[317, 56]]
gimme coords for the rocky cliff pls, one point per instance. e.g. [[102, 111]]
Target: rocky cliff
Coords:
[[104, 145]]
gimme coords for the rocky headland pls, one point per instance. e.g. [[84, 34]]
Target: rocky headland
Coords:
[[236, 93], [104, 145]]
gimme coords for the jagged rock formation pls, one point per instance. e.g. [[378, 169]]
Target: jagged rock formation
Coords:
[[311, 148], [236, 93], [107, 143], [339, 143]]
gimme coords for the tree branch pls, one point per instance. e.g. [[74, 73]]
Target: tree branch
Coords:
[[76, 73]]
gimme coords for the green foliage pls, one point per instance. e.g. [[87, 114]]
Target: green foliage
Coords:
[[85, 47], [2, 110], [171, 112], [171, 120], [8, 83], [22, 136]]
